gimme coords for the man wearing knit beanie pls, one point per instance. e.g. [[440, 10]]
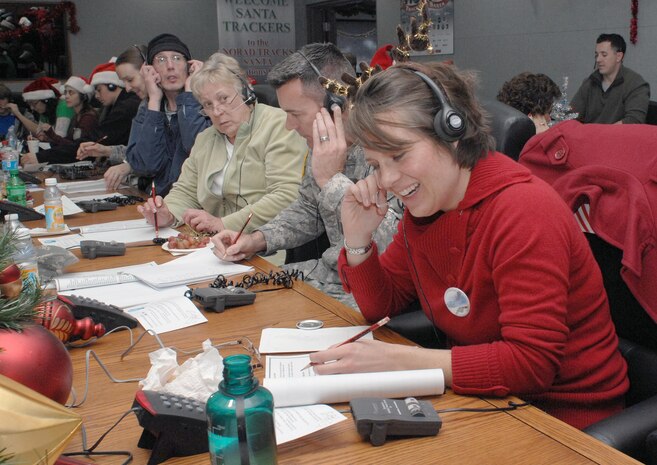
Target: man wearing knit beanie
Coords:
[[166, 42], [166, 125]]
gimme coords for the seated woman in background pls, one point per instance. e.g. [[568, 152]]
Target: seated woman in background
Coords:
[[532, 94], [119, 107], [518, 294], [77, 95], [42, 96], [127, 66], [246, 162]]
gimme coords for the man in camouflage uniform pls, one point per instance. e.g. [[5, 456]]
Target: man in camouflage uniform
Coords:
[[330, 170]]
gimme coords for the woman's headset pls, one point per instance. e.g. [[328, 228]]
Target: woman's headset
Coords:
[[330, 99], [448, 122], [248, 94]]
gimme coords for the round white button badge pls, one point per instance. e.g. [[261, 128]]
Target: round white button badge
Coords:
[[457, 301]]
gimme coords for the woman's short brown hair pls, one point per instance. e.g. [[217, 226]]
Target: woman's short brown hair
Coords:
[[530, 93], [398, 97]]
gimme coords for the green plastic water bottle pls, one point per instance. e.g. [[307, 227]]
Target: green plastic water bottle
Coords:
[[241, 418], [16, 191]]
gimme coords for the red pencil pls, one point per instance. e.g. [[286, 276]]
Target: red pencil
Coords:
[[153, 195], [355, 337], [248, 218]]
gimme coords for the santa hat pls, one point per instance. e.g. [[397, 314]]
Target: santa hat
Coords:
[[41, 89], [106, 74], [80, 84], [382, 57]]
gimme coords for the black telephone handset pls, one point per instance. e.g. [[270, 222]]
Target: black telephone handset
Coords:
[[24, 213], [29, 178]]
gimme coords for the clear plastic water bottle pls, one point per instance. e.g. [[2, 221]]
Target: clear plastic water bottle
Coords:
[[26, 257], [11, 137], [54, 209], [12, 223], [252, 434], [16, 191]]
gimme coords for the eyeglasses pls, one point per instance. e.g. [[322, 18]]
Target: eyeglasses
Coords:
[[223, 102], [160, 60]]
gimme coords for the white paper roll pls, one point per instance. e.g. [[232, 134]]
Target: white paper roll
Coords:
[[329, 389]]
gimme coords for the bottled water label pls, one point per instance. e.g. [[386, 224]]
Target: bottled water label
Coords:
[[9, 164], [54, 217]]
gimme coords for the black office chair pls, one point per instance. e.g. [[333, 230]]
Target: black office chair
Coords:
[[651, 117], [266, 94], [510, 127], [634, 430]]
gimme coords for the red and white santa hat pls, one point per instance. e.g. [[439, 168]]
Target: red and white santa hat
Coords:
[[80, 84], [382, 57], [43, 88], [106, 74]]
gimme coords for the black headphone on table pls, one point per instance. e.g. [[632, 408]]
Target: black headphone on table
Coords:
[[330, 99], [448, 122]]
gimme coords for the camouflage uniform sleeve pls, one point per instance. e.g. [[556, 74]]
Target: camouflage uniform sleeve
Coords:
[[298, 223]]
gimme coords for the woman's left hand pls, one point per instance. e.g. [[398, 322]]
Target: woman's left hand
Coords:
[[202, 221]]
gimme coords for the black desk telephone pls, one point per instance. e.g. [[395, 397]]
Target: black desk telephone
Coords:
[[24, 213]]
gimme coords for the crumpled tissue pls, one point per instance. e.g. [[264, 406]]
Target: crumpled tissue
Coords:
[[198, 377]]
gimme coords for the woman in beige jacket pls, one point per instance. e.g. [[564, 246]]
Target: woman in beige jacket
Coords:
[[246, 162]]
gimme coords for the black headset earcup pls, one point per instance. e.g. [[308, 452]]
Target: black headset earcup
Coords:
[[111, 87], [448, 123], [249, 95], [332, 99]]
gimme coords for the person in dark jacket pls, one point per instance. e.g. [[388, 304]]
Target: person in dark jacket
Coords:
[[613, 93], [167, 123]]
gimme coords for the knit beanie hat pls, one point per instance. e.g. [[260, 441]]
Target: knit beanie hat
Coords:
[[382, 57], [106, 74], [166, 43], [80, 84], [41, 89]]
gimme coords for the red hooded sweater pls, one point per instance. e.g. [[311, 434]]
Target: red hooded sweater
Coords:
[[538, 326]]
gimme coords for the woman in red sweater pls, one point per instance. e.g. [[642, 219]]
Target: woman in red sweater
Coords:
[[491, 252]]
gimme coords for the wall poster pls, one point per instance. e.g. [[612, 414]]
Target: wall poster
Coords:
[[441, 29], [257, 33]]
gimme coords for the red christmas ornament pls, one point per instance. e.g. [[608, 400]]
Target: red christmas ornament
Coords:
[[36, 358], [10, 282], [57, 317]]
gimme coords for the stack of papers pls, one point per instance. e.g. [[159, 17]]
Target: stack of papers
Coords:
[[126, 291], [199, 266]]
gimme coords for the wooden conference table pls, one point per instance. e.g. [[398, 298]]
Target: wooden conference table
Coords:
[[524, 436]]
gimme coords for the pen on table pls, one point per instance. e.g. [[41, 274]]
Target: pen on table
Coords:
[[100, 140], [356, 337], [239, 234], [153, 194]]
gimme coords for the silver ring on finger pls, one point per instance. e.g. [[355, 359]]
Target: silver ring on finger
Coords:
[[324, 138]]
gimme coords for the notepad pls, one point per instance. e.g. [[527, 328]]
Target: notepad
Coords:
[[288, 340], [71, 281], [116, 226]]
